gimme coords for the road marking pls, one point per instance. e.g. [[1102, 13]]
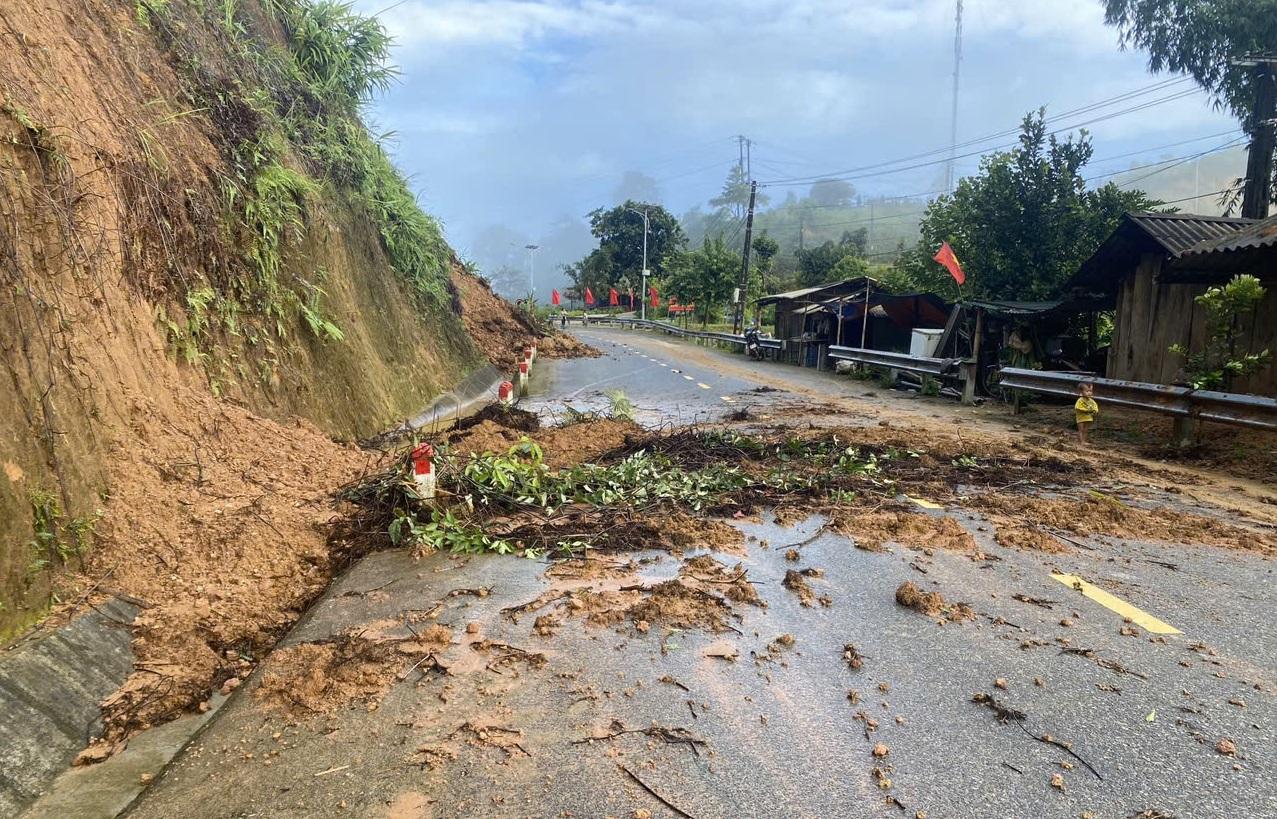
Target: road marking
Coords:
[[1143, 619], [925, 504], [661, 363], [689, 378], [702, 386], [728, 399]]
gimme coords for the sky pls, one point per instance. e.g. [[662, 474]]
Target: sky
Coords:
[[515, 118]]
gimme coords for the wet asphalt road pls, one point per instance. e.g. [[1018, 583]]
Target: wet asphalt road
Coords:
[[781, 737]]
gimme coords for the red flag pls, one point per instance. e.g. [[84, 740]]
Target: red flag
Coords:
[[554, 297], [656, 300], [589, 296], [612, 298], [945, 257]]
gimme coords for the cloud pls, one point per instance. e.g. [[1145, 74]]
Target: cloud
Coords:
[[521, 111]]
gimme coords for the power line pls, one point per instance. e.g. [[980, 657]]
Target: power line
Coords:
[[846, 173]]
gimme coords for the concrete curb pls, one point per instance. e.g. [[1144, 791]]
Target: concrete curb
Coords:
[[50, 690]]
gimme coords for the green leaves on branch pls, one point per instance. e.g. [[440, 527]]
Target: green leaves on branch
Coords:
[[1222, 358]]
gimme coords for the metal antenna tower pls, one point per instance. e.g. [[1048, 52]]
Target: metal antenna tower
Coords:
[[953, 122]]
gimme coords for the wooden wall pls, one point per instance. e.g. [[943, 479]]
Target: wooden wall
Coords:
[[1152, 316]]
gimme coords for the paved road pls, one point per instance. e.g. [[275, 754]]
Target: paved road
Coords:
[[781, 737]]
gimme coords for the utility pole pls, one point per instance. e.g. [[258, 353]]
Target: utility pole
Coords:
[[953, 122], [1263, 138], [738, 319]]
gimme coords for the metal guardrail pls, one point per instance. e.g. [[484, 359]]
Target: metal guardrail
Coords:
[[674, 330], [1183, 402], [897, 361]]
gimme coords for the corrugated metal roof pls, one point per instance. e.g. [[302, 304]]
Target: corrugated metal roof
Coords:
[[811, 291], [1257, 235], [1139, 233], [1178, 232]]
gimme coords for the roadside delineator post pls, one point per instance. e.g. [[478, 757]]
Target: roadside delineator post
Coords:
[[505, 393], [523, 378], [423, 470]]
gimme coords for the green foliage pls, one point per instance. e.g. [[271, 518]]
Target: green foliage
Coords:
[[320, 327], [1024, 223], [145, 10], [1222, 359], [735, 194], [705, 277], [618, 260], [1201, 38], [620, 407], [343, 55], [57, 539], [820, 264]]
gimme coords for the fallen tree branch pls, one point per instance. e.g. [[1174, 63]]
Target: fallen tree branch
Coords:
[[667, 803]]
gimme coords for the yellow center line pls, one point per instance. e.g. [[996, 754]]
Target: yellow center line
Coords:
[[924, 503], [689, 378], [727, 398], [1141, 618], [702, 386]]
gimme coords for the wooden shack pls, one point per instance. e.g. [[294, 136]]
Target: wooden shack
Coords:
[[1149, 272]]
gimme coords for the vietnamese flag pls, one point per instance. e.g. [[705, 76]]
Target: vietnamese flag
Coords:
[[945, 257], [656, 300], [554, 298], [612, 298], [589, 296]]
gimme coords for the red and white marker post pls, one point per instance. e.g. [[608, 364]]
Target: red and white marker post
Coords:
[[505, 393], [523, 378], [423, 471]]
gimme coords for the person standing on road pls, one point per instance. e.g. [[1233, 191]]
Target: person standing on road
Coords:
[[1084, 410]]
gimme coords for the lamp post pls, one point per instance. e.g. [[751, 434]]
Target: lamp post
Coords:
[[532, 249], [643, 289]]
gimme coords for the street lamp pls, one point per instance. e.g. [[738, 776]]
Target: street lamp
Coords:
[[532, 249], [646, 272]]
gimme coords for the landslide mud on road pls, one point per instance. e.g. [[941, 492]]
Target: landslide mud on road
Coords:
[[844, 610]]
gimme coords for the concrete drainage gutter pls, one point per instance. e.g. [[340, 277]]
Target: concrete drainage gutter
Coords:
[[477, 388], [50, 689]]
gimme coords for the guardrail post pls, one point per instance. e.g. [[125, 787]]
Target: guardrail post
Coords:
[[967, 372], [1183, 431]]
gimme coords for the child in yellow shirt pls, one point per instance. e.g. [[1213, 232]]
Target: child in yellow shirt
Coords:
[[1084, 410]]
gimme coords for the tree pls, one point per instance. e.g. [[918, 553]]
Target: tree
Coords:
[[638, 186], [618, 260], [816, 264], [831, 193], [1200, 38], [764, 249], [1203, 38], [705, 277], [1221, 359], [735, 194], [1024, 223]]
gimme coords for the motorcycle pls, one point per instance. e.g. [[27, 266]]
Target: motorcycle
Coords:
[[752, 347]]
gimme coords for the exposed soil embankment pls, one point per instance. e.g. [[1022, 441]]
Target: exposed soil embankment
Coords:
[[501, 331]]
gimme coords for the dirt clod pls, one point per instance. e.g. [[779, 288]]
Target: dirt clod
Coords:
[[931, 603]]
